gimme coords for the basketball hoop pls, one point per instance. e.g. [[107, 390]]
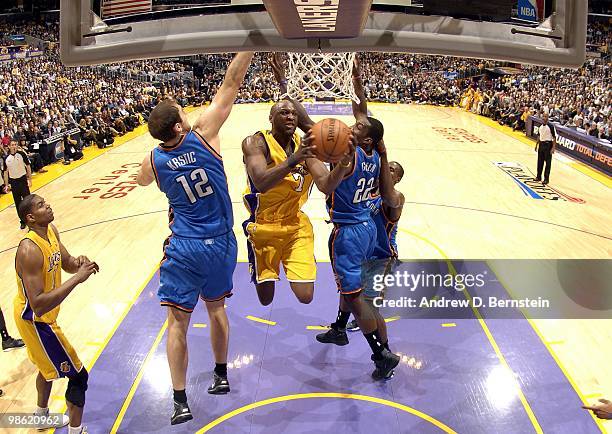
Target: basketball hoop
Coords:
[[322, 75]]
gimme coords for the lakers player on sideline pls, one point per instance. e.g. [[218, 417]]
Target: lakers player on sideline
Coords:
[[40, 259], [354, 235], [200, 254], [281, 170]]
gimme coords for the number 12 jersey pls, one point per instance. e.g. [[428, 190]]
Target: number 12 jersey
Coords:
[[192, 176]]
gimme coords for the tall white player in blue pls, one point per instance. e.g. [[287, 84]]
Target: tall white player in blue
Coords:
[[200, 255]]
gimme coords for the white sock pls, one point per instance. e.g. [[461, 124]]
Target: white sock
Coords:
[[75, 429], [41, 410]]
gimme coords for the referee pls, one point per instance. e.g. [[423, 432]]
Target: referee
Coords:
[[17, 174], [545, 147]]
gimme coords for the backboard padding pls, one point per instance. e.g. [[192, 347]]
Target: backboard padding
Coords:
[[384, 32]]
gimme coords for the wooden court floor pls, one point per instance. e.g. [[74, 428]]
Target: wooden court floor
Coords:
[[460, 205]]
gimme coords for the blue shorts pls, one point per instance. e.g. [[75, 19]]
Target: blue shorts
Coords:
[[374, 272], [194, 267], [349, 247]]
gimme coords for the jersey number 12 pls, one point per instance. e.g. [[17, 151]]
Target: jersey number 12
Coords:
[[201, 179]]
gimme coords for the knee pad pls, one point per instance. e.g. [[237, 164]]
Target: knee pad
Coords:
[[77, 386]]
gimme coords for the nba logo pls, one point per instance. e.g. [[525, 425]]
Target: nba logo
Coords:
[[528, 10], [65, 367]]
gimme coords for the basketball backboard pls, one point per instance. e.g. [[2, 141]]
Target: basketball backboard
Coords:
[[544, 32]]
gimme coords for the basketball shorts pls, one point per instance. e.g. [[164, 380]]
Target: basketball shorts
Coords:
[[349, 247], [289, 241], [374, 272], [48, 348], [194, 267]]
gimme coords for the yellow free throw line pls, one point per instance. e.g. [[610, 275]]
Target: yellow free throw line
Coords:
[[317, 328], [449, 324], [286, 398], [261, 320], [392, 318], [553, 354], [485, 328], [500, 356], [116, 326], [199, 326], [138, 379]]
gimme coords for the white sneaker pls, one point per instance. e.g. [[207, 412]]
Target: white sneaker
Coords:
[[65, 420]]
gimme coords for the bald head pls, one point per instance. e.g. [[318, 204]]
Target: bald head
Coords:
[[284, 118], [284, 104], [397, 171]]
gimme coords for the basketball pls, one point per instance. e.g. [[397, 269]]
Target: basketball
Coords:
[[331, 137]]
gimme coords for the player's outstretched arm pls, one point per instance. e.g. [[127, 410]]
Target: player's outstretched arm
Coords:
[[325, 180], [70, 264], [391, 197], [305, 123], [29, 264], [254, 151], [209, 123], [360, 111], [145, 173]]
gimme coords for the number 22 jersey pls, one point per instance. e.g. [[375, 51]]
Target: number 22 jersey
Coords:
[[348, 204], [192, 176]]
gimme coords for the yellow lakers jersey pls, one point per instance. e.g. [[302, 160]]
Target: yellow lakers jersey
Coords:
[[285, 199], [52, 276]]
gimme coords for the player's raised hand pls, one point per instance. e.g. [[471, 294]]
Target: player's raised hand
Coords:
[[603, 410], [278, 66]]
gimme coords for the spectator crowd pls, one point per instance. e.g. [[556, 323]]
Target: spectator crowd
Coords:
[[40, 99]]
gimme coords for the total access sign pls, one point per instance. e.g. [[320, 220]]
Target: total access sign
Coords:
[[300, 19]]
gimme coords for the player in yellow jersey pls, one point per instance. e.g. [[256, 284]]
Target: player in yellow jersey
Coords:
[[40, 259], [281, 169]]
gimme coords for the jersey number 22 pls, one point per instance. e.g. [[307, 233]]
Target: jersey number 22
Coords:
[[363, 190]]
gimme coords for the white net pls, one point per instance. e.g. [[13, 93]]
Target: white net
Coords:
[[322, 75]]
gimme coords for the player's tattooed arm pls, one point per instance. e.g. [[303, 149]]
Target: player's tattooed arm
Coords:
[[254, 151]]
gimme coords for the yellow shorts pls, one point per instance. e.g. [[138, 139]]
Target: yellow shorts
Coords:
[[290, 242], [48, 349]]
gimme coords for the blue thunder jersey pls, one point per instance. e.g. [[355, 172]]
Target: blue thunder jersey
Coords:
[[348, 204], [386, 231], [192, 176]]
